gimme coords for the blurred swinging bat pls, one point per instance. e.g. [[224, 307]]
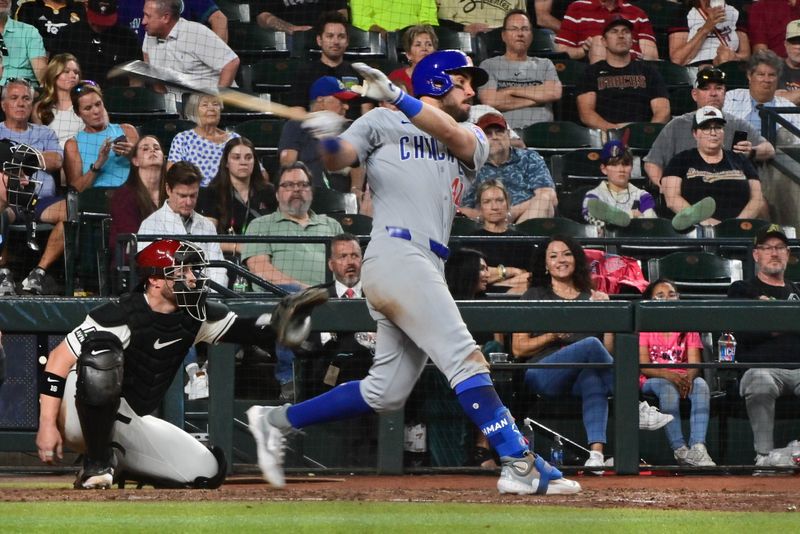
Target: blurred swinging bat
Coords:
[[148, 73]]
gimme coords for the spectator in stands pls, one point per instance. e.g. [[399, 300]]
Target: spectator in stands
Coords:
[[17, 104], [332, 40], [521, 87], [549, 16], [672, 385], [616, 201], [98, 155], [767, 20], [202, 11], [24, 55], [177, 215], [54, 106], [789, 82], [560, 271], [238, 194], [763, 70], [508, 261], [618, 90], [297, 16], [142, 193], [465, 17], [418, 42], [203, 144], [705, 35], [381, 16], [476, 111], [51, 16], [297, 144], [186, 48], [760, 387], [709, 170], [98, 43], [293, 266], [709, 90], [581, 30], [523, 172]]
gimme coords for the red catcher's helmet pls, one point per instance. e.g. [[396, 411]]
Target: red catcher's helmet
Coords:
[[171, 259]]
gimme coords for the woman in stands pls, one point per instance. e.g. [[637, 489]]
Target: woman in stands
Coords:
[[672, 385], [559, 271], [142, 193], [706, 35], [54, 107], [237, 194], [508, 260], [418, 42], [203, 144], [98, 154]]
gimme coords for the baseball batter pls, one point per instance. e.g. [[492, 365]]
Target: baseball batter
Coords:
[[109, 373], [419, 162]]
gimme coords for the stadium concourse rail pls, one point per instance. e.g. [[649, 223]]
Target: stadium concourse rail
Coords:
[[56, 316]]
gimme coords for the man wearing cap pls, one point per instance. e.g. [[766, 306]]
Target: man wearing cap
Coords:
[[185, 47], [583, 23], [760, 387], [523, 88], [789, 82], [711, 171], [523, 172], [98, 43], [763, 70], [50, 16], [617, 90], [709, 90], [767, 20], [23, 54], [326, 94]]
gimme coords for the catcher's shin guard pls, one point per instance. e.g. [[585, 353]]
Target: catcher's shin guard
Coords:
[[98, 391]]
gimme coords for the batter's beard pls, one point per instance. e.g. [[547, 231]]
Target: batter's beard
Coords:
[[454, 109]]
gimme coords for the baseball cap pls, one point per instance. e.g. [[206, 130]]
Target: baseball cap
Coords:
[[330, 86], [709, 75], [793, 30], [492, 119], [773, 230], [707, 114], [102, 12], [611, 150], [617, 20]]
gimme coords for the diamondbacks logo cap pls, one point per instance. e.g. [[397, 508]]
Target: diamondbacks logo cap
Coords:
[[705, 115], [612, 150], [773, 230], [102, 12]]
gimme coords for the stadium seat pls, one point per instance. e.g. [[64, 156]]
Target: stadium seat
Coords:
[[329, 201], [735, 74], [86, 237], [364, 44], [464, 226], [576, 168], [254, 43], [264, 133], [554, 137], [556, 226], [275, 77], [661, 13], [681, 101], [450, 39], [793, 268], [543, 45], [696, 272], [569, 73], [736, 228], [652, 228], [673, 75], [354, 223], [136, 105], [165, 130], [638, 136]]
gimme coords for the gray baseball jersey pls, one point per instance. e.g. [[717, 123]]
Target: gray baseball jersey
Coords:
[[416, 183]]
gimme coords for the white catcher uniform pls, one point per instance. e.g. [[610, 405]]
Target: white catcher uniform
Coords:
[[415, 184]]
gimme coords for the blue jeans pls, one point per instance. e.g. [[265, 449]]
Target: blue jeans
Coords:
[[669, 402], [593, 386]]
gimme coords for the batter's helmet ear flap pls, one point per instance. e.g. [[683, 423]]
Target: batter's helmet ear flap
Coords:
[[431, 76]]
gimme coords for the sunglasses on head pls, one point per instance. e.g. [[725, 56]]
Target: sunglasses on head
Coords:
[[83, 85]]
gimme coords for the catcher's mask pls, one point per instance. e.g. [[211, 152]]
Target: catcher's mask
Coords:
[[19, 164], [185, 264]]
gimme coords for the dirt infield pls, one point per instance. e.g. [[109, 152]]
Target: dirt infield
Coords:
[[725, 493]]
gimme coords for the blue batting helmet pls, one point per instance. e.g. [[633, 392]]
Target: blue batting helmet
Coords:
[[431, 76]]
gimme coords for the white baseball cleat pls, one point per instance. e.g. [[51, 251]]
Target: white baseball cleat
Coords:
[[532, 475], [94, 476], [269, 444], [650, 418]]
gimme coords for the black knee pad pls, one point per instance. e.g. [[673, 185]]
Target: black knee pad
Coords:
[[100, 370]]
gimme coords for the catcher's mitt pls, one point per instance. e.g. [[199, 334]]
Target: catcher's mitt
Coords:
[[291, 319]]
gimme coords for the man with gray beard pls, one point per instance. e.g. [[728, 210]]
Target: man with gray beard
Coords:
[[761, 386]]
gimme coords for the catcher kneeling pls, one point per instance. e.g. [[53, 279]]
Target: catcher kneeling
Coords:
[[101, 383]]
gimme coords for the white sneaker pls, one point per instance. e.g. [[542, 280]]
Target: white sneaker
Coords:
[[698, 456], [652, 419], [681, 454], [595, 460], [520, 477], [269, 444]]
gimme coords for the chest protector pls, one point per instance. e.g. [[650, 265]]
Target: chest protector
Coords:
[[159, 342]]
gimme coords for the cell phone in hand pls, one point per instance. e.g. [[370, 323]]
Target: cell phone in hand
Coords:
[[120, 139], [716, 3], [738, 137]]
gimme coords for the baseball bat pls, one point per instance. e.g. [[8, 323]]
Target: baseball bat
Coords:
[[148, 73]]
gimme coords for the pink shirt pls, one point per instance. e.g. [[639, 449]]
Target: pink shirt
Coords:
[[669, 347]]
